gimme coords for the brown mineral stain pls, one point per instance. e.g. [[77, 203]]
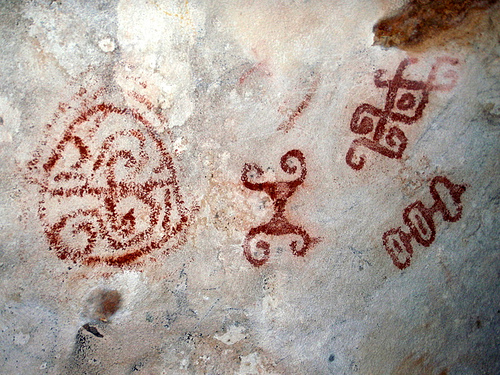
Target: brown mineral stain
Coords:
[[418, 365], [108, 303], [422, 23], [183, 16]]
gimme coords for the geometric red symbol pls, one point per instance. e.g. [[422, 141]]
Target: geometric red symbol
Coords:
[[257, 251], [420, 221], [109, 189], [378, 125]]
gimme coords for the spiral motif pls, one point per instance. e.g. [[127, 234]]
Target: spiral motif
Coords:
[[109, 189]]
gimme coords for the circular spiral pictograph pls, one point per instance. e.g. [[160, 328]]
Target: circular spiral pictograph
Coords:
[[110, 193]]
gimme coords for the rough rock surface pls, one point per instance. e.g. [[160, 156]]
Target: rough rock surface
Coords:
[[246, 187]]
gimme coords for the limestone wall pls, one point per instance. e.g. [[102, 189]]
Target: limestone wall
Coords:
[[249, 187]]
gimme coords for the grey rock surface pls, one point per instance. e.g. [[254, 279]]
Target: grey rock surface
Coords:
[[245, 187]]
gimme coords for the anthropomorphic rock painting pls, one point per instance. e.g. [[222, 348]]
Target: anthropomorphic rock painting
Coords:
[[404, 104], [256, 247]]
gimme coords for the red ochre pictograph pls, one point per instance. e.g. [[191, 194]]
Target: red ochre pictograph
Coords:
[[255, 246], [378, 125], [109, 189], [420, 221], [289, 123]]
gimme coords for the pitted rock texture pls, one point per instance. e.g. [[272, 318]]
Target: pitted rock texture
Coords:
[[206, 187]]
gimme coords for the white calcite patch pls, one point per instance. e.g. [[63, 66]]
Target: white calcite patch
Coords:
[[233, 335], [149, 35], [107, 45], [10, 120], [250, 364]]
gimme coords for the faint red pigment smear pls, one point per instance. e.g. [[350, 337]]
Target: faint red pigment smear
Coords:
[[100, 217], [420, 221], [253, 69], [279, 192], [289, 123], [394, 109], [248, 73]]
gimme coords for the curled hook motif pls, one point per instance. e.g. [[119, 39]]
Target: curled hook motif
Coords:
[[404, 104], [109, 193], [256, 247]]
